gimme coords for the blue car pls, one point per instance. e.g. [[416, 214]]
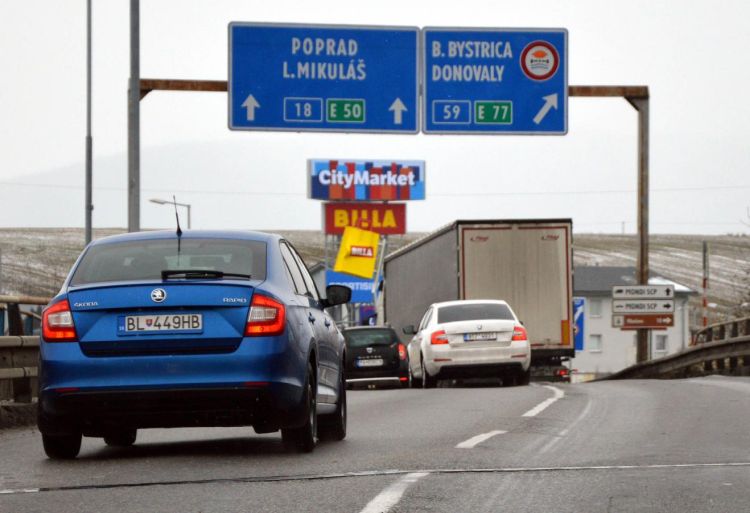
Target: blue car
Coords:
[[202, 328]]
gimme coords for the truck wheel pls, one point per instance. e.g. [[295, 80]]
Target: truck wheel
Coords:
[[302, 439], [65, 447], [124, 438], [427, 380], [333, 426]]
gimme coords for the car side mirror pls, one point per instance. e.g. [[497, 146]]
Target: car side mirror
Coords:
[[337, 295], [409, 330]]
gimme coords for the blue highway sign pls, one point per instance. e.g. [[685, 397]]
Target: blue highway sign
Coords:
[[512, 81], [323, 78]]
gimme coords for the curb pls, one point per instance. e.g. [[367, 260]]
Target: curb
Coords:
[[17, 415]]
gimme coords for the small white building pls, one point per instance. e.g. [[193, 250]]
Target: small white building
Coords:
[[603, 349]]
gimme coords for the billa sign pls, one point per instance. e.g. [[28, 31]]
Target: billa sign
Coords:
[[358, 252], [385, 219], [366, 180]]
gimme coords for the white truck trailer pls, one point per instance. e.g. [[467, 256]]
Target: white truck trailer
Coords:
[[528, 263]]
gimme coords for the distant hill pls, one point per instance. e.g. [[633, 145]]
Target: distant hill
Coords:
[[35, 261]]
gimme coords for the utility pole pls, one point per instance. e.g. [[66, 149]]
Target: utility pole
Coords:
[[89, 207], [705, 284], [642, 272], [134, 122]]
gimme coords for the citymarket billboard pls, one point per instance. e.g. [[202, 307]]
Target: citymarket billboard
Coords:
[[366, 180], [383, 218]]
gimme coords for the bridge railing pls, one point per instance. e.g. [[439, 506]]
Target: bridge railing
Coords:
[[722, 331], [19, 352]]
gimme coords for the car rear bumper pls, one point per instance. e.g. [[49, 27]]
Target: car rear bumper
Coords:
[[259, 384], [440, 359], [358, 375], [492, 370], [95, 412]]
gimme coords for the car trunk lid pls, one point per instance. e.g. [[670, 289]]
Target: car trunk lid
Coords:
[[160, 317]]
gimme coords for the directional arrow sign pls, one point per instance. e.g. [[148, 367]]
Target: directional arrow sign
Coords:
[[323, 78], [504, 81], [250, 104], [642, 306], [550, 102], [643, 321], [398, 108], [643, 292]]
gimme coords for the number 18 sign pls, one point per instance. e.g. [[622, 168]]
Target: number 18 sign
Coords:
[[323, 78]]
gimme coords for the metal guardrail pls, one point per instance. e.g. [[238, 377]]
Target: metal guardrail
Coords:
[[722, 348], [19, 354], [721, 331], [18, 368]]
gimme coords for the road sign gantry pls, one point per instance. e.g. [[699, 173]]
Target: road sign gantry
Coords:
[[323, 78]]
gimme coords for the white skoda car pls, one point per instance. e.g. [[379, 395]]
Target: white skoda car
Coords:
[[469, 339]]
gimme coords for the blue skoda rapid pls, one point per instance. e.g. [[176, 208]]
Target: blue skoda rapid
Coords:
[[205, 328]]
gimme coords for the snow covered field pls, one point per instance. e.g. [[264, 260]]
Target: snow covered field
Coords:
[[35, 261]]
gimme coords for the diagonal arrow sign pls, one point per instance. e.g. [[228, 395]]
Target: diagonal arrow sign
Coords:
[[398, 108], [550, 102], [251, 104]]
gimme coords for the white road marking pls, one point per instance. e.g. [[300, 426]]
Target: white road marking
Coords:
[[26, 490], [539, 408], [476, 440], [389, 497], [562, 434]]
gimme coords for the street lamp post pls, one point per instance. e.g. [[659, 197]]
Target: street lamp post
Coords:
[[167, 202]]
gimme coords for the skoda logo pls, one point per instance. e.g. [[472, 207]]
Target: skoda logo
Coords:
[[369, 350], [158, 295], [479, 327]]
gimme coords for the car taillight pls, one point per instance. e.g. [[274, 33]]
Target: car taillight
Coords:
[[562, 372], [401, 352], [439, 337], [519, 333], [267, 317], [57, 323]]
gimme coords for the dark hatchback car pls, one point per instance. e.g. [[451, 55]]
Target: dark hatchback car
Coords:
[[375, 355], [205, 328]]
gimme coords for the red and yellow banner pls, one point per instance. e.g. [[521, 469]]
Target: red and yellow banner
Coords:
[[385, 219], [358, 252]]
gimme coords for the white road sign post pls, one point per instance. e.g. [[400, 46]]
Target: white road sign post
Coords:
[[643, 306]]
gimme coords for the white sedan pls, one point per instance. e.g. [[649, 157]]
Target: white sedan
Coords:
[[469, 339]]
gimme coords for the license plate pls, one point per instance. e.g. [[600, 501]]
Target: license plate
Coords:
[[470, 337], [376, 362], [182, 323]]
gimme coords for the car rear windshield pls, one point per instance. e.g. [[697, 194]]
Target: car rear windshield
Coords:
[[146, 259], [474, 312], [373, 337]]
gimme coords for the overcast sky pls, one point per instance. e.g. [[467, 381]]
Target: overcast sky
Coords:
[[691, 54]]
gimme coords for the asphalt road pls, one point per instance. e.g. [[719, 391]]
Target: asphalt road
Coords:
[[661, 446]]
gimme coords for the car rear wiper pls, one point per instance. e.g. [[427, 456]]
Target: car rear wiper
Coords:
[[197, 274]]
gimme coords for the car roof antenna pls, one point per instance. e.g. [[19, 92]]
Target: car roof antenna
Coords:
[[177, 216], [179, 230]]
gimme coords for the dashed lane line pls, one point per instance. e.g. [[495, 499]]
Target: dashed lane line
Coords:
[[385, 500], [476, 440]]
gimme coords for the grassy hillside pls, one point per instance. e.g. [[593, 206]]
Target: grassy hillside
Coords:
[[35, 261]]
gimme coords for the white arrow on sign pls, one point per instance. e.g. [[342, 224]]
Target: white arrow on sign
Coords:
[[251, 104], [550, 101], [398, 108]]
